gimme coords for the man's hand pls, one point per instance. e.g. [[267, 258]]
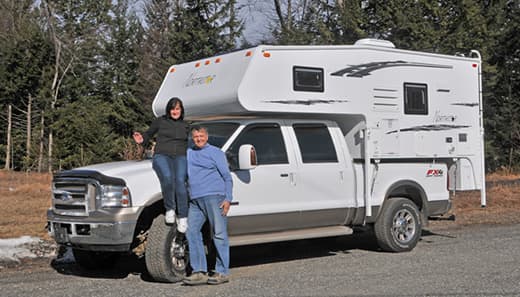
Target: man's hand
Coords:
[[225, 207]]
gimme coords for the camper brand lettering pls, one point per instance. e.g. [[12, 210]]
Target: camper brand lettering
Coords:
[[434, 172], [444, 118], [199, 80]]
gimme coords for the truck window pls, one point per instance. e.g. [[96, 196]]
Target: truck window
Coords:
[[267, 140], [415, 98], [219, 133], [308, 79], [315, 143]]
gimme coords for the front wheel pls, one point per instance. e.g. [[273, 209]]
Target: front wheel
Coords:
[[166, 254], [398, 228]]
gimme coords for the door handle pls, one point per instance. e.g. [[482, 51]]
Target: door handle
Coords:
[[284, 175]]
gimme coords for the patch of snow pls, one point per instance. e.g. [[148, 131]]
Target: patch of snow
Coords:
[[13, 249]]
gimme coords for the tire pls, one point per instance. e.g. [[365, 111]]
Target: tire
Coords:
[[161, 261], [398, 227], [91, 260]]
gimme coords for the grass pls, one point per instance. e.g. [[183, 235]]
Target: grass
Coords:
[[25, 198], [502, 206]]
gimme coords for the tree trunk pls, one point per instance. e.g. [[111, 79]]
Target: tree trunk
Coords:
[[40, 155], [8, 149], [28, 145], [49, 165]]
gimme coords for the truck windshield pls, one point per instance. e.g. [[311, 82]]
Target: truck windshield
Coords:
[[219, 133]]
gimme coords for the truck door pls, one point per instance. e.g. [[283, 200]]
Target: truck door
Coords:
[[324, 179], [266, 194]]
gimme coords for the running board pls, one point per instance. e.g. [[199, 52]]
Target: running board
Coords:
[[289, 235]]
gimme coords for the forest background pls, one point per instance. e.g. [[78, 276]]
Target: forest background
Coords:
[[78, 76]]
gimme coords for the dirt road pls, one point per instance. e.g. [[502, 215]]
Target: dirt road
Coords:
[[470, 261]]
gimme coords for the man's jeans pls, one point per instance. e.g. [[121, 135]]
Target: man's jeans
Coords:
[[173, 173], [200, 210]]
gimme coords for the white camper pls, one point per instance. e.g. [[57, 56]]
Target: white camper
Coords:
[[410, 105], [319, 139]]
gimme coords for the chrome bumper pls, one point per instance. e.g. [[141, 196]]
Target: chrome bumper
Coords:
[[100, 232]]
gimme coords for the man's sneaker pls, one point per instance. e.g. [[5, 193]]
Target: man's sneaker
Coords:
[[217, 279], [196, 278], [169, 218], [182, 225]]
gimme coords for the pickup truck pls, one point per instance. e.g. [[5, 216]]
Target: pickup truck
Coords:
[[293, 179], [319, 139]]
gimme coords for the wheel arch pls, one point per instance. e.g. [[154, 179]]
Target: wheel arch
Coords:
[[152, 209], [411, 190]]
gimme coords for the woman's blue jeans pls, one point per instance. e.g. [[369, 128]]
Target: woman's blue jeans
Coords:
[[173, 174], [200, 210]]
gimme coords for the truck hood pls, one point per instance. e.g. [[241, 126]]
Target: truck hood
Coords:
[[138, 176], [123, 169]]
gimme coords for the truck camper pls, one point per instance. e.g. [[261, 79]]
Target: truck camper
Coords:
[[319, 139]]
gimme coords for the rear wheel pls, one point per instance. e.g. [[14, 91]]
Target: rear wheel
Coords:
[[166, 254], [91, 260], [398, 228]]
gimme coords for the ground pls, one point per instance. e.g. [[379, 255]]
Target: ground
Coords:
[[25, 198]]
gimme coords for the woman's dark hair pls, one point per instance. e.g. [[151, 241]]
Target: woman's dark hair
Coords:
[[171, 104]]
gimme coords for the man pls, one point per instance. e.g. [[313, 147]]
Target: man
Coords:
[[210, 188]]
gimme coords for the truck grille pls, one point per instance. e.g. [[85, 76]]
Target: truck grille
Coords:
[[73, 196]]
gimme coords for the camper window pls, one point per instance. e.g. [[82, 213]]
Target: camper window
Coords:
[[308, 79], [315, 143], [415, 98]]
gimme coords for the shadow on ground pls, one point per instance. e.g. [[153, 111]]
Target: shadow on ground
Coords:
[[247, 255], [124, 266]]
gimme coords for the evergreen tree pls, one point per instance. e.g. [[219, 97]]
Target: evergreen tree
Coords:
[[502, 98], [349, 22], [77, 30], [204, 28], [157, 52], [305, 22], [84, 133], [121, 57], [181, 31], [24, 52]]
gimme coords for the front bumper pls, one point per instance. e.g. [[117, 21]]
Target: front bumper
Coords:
[[106, 230]]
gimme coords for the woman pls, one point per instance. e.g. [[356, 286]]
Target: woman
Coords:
[[169, 160]]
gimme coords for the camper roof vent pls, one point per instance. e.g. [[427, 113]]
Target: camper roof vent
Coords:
[[375, 42]]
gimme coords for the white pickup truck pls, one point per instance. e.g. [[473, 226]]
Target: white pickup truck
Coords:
[[314, 149]]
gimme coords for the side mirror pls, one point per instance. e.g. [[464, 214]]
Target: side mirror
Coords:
[[247, 157]]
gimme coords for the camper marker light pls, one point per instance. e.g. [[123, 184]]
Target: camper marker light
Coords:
[[197, 64], [217, 60], [267, 54], [172, 70], [207, 62], [249, 53], [474, 65]]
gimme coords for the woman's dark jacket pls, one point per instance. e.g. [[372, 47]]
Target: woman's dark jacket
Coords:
[[172, 136]]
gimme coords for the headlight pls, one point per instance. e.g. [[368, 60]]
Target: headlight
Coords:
[[115, 196]]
